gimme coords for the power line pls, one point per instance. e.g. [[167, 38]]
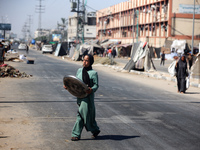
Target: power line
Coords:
[[40, 9]]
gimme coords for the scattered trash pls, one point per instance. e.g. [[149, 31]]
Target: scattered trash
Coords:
[[29, 61], [9, 71], [12, 51], [22, 57], [11, 56]]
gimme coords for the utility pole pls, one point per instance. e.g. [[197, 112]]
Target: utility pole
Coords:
[[135, 14], [80, 10], [29, 25], [3, 32], [101, 27], [40, 9], [133, 27], [83, 21], [193, 30], [77, 32], [24, 30]]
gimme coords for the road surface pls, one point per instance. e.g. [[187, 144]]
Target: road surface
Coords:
[[132, 111]]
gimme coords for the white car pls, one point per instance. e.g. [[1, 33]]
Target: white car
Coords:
[[22, 46], [47, 49]]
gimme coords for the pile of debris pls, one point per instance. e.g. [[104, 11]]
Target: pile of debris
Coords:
[[13, 57], [9, 71], [104, 60]]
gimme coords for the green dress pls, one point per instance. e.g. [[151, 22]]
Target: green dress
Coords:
[[86, 111]]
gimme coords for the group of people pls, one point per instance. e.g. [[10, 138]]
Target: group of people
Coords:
[[111, 52]]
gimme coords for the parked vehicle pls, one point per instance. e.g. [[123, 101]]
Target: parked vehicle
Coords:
[[47, 49], [22, 46]]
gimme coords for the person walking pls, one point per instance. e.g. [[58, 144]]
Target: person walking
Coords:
[[2, 53], [190, 60], [114, 53], [109, 53], [181, 74], [162, 59], [86, 111], [27, 48]]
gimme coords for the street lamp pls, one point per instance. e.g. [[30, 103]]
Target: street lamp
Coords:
[[193, 30]]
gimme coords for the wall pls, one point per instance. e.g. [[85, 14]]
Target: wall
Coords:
[[72, 27], [186, 29], [90, 31], [175, 5]]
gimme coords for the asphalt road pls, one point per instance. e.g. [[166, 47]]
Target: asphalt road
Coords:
[[130, 114]]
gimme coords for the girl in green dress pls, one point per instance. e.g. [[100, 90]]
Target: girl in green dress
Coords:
[[86, 111]]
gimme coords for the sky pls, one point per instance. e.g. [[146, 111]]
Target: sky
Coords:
[[18, 12]]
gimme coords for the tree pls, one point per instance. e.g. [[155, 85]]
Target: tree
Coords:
[[63, 26]]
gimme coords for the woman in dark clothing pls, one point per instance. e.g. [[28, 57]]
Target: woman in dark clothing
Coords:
[[182, 73]]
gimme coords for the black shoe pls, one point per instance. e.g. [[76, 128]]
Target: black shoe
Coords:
[[95, 134]]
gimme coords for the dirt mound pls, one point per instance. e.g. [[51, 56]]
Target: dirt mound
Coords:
[[104, 60], [9, 71]]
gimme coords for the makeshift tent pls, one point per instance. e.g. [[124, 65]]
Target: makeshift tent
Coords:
[[91, 49], [140, 59], [124, 50], [110, 43], [195, 70], [61, 49], [179, 46]]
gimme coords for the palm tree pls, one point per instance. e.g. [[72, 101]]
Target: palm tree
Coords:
[[63, 25]]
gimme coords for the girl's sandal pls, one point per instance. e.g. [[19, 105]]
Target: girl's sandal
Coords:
[[74, 138]]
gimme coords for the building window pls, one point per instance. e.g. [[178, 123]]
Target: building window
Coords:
[[92, 21]]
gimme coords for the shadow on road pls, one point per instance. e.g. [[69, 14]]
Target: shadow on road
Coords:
[[4, 137], [113, 137], [196, 102], [192, 93]]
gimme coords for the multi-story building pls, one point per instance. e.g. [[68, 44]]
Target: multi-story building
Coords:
[[89, 28], [154, 21], [41, 32]]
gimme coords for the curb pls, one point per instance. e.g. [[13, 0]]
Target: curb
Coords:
[[152, 75]]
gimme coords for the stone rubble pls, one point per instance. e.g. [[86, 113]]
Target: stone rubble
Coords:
[[9, 71]]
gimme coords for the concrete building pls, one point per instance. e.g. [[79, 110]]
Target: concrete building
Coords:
[[42, 32], [155, 21], [89, 28]]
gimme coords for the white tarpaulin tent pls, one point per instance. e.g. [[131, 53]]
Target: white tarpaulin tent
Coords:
[[179, 46], [196, 68], [141, 59]]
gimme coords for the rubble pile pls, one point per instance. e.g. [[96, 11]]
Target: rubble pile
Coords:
[[12, 57], [9, 71], [103, 60]]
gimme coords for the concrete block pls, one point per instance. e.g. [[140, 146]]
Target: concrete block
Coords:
[[173, 79], [126, 71], [168, 78], [164, 78], [194, 84], [155, 75]]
